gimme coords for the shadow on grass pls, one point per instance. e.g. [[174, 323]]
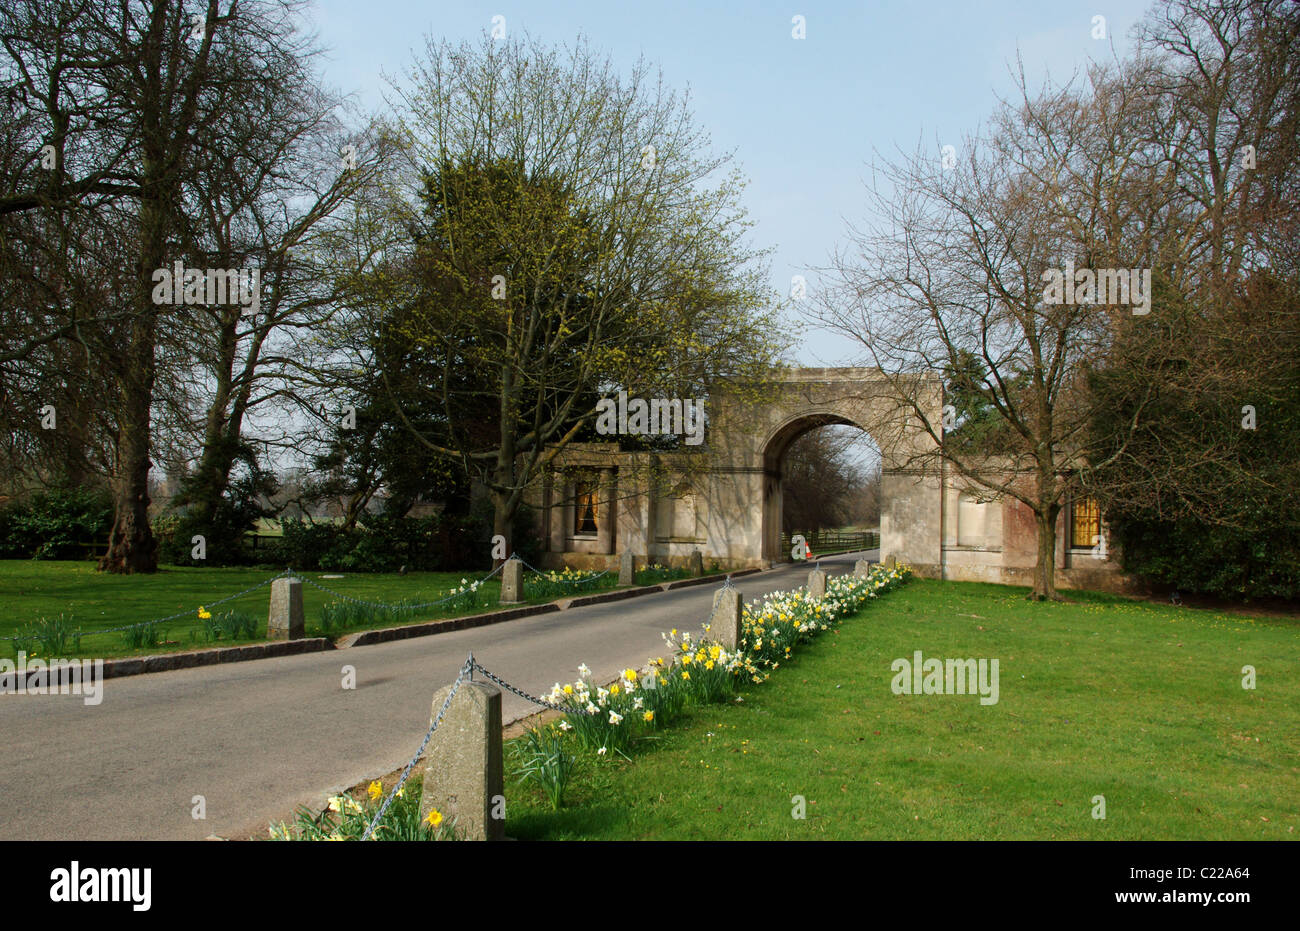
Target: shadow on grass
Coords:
[[574, 820]]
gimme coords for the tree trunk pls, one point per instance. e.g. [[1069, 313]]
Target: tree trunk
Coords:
[[131, 545], [503, 518], [1045, 568]]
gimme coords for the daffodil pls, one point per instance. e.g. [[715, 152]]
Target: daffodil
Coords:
[[434, 818], [375, 789]]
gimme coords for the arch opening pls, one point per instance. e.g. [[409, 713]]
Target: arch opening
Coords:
[[822, 473]]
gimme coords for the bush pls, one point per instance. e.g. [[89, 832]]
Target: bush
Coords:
[[55, 524], [1212, 560]]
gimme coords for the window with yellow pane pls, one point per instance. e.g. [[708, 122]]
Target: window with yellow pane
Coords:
[[1085, 523]]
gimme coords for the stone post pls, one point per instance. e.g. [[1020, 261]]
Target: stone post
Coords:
[[627, 568], [697, 563], [285, 620], [465, 776], [725, 625], [861, 569], [816, 584], [512, 582]]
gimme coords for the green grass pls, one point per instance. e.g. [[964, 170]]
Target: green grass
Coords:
[[91, 600], [1140, 703]]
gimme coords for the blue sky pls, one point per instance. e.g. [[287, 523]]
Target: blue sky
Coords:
[[803, 117]]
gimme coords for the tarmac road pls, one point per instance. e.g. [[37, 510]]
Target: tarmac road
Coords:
[[256, 739]]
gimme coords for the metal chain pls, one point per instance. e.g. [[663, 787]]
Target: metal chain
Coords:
[[465, 669], [171, 617], [561, 581], [532, 698]]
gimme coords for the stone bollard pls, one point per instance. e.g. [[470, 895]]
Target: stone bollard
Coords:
[[816, 584], [627, 568], [465, 776], [512, 582], [861, 569], [697, 563], [724, 628], [285, 620]]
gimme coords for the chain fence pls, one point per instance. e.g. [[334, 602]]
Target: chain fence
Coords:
[[467, 670], [542, 573]]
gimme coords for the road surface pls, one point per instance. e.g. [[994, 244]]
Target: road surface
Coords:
[[256, 739]]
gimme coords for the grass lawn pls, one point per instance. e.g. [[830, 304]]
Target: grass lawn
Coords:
[[91, 600], [1142, 704]]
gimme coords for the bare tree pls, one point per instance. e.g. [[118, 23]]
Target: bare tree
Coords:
[[954, 281], [140, 103]]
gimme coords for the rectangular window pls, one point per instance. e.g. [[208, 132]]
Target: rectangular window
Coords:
[[584, 516], [1085, 524]]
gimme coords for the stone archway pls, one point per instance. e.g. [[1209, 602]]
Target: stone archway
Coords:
[[748, 437]]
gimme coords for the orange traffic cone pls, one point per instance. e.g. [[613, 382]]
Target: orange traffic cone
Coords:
[[807, 551]]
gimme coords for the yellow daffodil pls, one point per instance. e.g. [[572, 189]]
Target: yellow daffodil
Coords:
[[375, 789], [434, 818], [203, 613]]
